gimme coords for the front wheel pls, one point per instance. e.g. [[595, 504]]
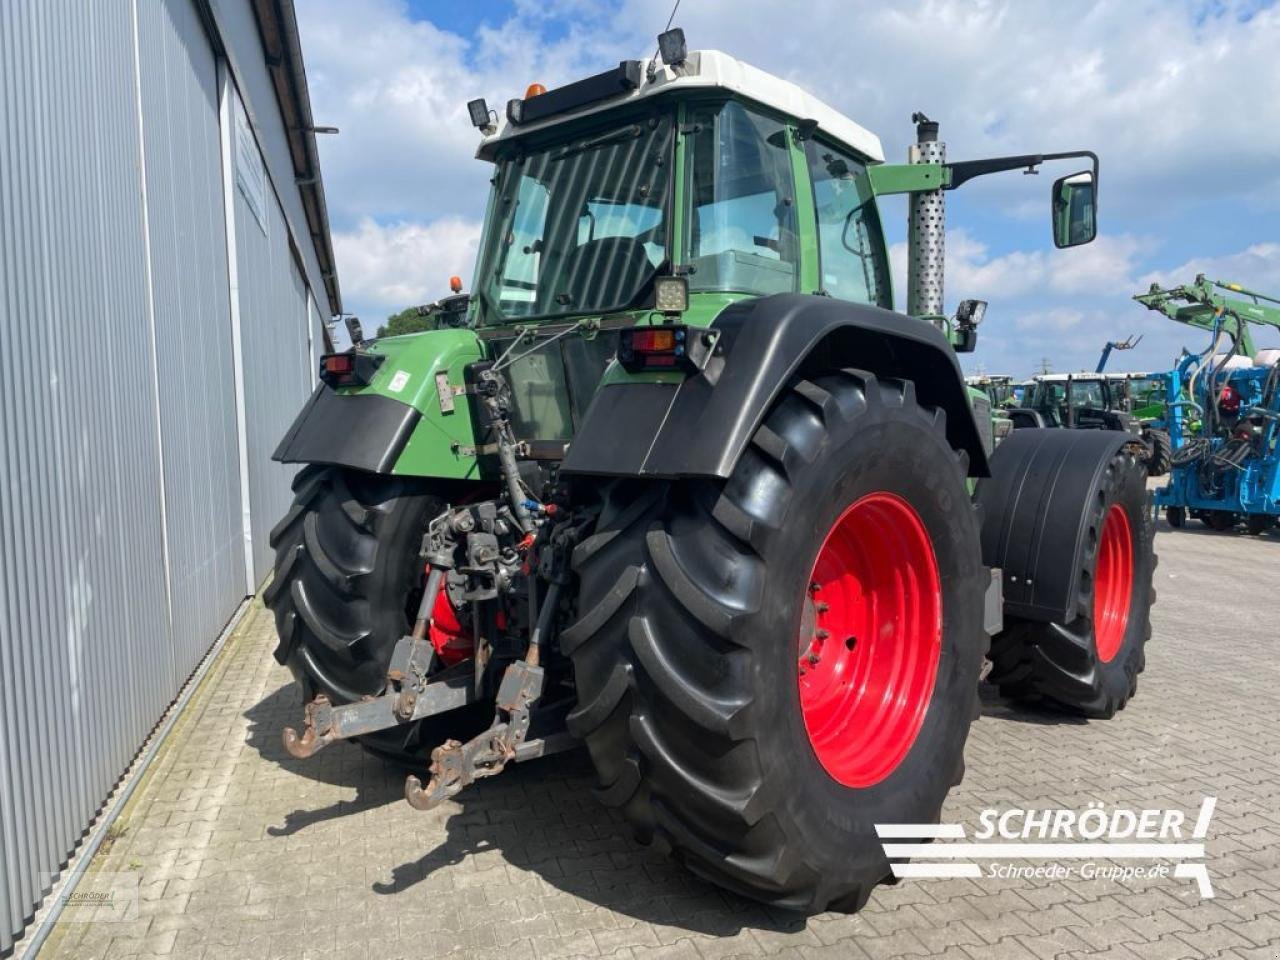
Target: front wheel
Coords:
[[1176, 516], [769, 666], [1090, 663]]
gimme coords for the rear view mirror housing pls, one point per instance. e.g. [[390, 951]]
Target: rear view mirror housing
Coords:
[[1073, 206]]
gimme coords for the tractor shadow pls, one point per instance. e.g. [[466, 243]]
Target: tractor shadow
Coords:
[[996, 707], [341, 765], [540, 818]]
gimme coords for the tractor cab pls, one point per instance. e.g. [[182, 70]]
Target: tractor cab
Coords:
[[1080, 400], [708, 172]]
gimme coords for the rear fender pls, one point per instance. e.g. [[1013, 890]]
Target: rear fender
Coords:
[[1035, 515], [411, 419], [699, 426]]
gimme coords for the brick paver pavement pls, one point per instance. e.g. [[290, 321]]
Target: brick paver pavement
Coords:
[[234, 849]]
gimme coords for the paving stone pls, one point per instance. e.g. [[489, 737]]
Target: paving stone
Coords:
[[235, 849]]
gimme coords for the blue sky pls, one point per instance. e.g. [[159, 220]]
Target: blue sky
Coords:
[[1180, 99]]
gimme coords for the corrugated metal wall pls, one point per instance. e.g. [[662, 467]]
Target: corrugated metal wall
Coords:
[[181, 134], [85, 662], [275, 331], [121, 543]]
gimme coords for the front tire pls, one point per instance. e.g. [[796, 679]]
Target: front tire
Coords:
[[1090, 664], [696, 617]]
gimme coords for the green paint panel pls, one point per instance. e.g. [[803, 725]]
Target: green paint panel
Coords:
[[890, 178], [408, 375]]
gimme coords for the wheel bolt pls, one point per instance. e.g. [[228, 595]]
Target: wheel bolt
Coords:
[[822, 634], [821, 606]]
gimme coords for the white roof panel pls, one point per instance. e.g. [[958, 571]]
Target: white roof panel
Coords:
[[711, 69]]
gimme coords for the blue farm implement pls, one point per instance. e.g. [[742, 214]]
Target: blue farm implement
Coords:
[[1223, 411]]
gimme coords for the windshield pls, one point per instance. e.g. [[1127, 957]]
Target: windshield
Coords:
[[579, 226], [1084, 393]]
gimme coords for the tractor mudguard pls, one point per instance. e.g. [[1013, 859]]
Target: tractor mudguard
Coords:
[[409, 419], [700, 426], [1035, 514], [364, 431]]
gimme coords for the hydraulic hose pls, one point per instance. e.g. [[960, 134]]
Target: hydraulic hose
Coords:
[[543, 625]]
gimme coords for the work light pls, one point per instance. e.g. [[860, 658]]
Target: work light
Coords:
[[671, 294], [672, 47]]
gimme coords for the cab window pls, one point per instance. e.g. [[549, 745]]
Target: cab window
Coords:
[[850, 242], [741, 215]]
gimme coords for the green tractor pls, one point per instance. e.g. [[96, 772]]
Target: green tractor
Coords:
[[1095, 401], [686, 489]]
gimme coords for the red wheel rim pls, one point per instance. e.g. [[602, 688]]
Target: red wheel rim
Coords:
[[1112, 583], [871, 637]]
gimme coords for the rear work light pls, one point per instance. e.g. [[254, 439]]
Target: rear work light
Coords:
[[349, 369], [673, 346]]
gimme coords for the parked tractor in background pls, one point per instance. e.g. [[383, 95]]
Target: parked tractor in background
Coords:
[[1223, 409], [687, 489], [1091, 401], [998, 394]]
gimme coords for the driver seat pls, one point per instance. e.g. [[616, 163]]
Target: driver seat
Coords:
[[602, 271]]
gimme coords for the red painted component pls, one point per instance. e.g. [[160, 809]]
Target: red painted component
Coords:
[[1113, 583], [452, 641], [1229, 401], [868, 665]]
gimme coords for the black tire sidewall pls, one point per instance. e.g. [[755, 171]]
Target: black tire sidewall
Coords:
[[894, 450]]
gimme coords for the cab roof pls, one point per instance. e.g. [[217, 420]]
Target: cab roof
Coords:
[[711, 70]]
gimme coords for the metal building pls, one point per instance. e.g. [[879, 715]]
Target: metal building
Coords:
[[164, 267]]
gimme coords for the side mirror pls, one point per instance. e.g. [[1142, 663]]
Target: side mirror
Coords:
[[1074, 210]]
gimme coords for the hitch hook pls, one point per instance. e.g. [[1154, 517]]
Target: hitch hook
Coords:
[[310, 742]]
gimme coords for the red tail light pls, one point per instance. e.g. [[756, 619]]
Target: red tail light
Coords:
[[668, 347], [338, 364], [349, 369]]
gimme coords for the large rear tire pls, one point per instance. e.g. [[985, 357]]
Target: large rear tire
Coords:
[[1090, 665], [347, 578], [697, 619]]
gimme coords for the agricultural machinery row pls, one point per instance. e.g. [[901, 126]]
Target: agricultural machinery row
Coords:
[[1212, 424], [1222, 408], [675, 481]]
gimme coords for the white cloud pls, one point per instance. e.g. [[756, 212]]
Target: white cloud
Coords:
[[1257, 267], [403, 264], [1183, 109]]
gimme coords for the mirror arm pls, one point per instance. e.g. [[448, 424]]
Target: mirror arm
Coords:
[[968, 169]]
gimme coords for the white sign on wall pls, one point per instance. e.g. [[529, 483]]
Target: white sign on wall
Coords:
[[251, 176]]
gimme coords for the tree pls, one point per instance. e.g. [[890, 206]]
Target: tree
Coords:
[[408, 320]]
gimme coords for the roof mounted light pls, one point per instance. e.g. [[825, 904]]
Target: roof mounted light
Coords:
[[534, 90], [672, 47], [481, 118]]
